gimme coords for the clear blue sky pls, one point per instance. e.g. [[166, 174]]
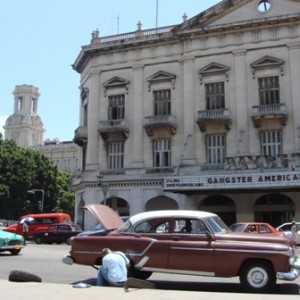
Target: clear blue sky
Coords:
[[40, 40]]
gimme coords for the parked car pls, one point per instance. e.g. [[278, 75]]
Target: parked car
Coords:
[[255, 227], [157, 241], [57, 233], [99, 229], [38, 222], [286, 229], [11, 242]]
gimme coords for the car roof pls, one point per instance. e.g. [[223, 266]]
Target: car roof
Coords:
[[111, 220], [170, 213], [253, 223], [288, 223]]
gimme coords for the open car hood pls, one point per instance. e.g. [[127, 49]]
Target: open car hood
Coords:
[[108, 218]]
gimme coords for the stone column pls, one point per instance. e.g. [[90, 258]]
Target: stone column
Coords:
[[137, 119], [293, 104], [241, 113], [93, 123], [189, 155]]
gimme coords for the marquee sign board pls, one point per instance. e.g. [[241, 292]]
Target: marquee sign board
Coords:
[[232, 181]]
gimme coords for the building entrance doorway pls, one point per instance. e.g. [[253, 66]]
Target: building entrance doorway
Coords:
[[223, 206], [274, 209]]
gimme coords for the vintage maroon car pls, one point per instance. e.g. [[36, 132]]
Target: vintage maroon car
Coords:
[[189, 242]]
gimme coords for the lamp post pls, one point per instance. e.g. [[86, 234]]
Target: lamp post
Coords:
[[104, 187], [41, 203]]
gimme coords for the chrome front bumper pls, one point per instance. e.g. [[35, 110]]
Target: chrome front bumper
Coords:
[[68, 260], [294, 273]]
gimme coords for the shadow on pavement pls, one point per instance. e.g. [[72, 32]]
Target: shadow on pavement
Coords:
[[281, 288]]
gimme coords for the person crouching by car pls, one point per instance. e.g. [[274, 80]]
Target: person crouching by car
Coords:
[[114, 268]]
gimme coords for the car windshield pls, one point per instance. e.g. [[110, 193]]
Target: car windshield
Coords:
[[237, 227], [217, 225], [126, 227]]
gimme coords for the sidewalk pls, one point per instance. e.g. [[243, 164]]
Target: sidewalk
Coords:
[[44, 291]]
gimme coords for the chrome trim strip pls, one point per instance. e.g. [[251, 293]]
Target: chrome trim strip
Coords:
[[175, 271], [254, 251], [127, 253], [230, 250], [193, 249], [142, 253]]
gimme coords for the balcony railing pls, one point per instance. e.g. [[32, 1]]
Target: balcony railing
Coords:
[[212, 167], [112, 172], [135, 34], [81, 135], [160, 170], [206, 117], [112, 126], [278, 111], [160, 121]]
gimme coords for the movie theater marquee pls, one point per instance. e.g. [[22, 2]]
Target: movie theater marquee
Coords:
[[232, 181]]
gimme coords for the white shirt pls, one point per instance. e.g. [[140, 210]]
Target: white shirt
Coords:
[[115, 263]]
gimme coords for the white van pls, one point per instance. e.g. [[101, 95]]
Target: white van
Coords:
[[286, 229]]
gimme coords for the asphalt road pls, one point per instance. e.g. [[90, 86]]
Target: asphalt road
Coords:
[[46, 262]]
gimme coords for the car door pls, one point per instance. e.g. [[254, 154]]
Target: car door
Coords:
[[62, 233], [191, 251], [151, 243], [50, 234]]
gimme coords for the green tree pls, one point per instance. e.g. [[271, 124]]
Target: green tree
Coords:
[[25, 169]]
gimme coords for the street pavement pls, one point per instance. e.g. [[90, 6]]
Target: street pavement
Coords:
[[44, 291]]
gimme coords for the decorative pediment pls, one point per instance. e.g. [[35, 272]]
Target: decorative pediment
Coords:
[[213, 69], [116, 82], [267, 62], [161, 76], [236, 14]]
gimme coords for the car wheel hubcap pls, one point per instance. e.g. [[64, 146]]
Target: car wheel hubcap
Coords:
[[257, 277]]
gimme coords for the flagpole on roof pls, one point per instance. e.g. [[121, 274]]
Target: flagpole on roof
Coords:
[[156, 13]]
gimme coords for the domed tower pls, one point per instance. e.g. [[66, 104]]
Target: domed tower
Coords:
[[25, 126]]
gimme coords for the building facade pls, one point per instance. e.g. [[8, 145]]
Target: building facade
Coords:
[[204, 115], [26, 128], [65, 155]]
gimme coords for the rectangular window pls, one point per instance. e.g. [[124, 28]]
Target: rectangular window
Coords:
[[271, 143], [162, 153], [20, 103], [116, 107], [162, 102], [85, 114], [116, 155], [268, 90], [215, 148], [215, 95]]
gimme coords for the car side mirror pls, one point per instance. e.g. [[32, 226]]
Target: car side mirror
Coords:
[[209, 234]]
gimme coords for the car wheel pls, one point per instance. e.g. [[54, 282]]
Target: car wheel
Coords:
[[22, 276], [38, 240], [257, 276], [68, 241], [15, 252], [139, 274]]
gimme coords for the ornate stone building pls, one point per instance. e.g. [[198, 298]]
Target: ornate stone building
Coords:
[[204, 115], [25, 127]]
